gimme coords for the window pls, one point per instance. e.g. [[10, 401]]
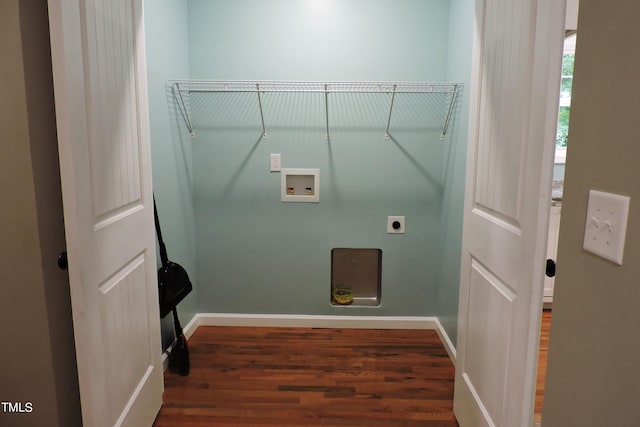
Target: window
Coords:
[[568, 59]]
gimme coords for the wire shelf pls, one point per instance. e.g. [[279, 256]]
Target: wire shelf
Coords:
[[322, 87], [183, 88]]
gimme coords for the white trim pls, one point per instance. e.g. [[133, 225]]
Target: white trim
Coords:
[[188, 330], [446, 341], [191, 327], [560, 155], [165, 355], [316, 321], [165, 359]]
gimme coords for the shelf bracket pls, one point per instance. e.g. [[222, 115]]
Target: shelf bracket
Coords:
[[393, 97], [326, 109], [264, 130], [447, 120], [177, 94]]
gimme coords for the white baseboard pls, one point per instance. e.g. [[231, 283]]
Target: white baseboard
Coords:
[[191, 327], [316, 321], [188, 330], [319, 321], [446, 341], [165, 355]]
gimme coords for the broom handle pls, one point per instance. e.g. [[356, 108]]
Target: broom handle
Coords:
[[163, 249], [182, 351], [176, 323]]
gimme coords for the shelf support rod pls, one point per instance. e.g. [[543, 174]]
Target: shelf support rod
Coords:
[[393, 97], [264, 130], [326, 109], [445, 126], [177, 94]]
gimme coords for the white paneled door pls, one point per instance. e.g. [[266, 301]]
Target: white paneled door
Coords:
[[103, 132], [515, 86]]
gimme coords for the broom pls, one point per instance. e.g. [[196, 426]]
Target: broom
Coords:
[[173, 286]]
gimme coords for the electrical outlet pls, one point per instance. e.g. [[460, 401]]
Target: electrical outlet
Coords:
[[606, 227], [395, 224], [275, 163]]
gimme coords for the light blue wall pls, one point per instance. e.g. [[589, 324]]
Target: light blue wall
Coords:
[[167, 58], [247, 251], [304, 40], [256, 254], [461, 20]]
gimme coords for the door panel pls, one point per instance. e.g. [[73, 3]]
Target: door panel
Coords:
[[517, 55], [488, 335], [102, 117], [124, 374], [112, 66], [502, 122]]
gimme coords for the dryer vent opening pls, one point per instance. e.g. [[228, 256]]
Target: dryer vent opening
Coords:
[[356, 277]]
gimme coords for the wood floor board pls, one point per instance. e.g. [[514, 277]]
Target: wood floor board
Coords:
[[244, 376], [542, 364]]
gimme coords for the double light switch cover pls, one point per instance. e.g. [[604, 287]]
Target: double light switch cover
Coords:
[[606, 225]]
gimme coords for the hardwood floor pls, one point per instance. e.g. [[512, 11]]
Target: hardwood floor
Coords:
[[542, 364], [311, 377]]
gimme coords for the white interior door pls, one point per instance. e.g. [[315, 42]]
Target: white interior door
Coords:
[[102, 118], [515, 86]]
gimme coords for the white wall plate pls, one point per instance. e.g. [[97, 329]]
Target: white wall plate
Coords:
[[606, 225], [398, 221]]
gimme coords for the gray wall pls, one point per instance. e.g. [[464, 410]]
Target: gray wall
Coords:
[[258, 255], [254, 254], [593, 367], [168, 58], [38, 354], [461, 16]]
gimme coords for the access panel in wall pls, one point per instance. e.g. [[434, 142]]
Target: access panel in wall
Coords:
[[356, 276]]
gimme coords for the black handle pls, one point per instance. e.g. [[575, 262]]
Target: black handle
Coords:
[[63, 261], [163, 249], [551, 268]]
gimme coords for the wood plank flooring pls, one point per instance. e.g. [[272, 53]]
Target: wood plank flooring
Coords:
[[542, 364], [311, 377]]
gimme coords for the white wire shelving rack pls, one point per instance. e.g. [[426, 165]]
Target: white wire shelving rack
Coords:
[[180, 88]]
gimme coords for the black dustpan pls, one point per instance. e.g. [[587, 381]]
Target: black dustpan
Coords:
[[173, 286], [173, 280]]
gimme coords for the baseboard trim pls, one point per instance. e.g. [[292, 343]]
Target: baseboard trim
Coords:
[[446, 341], [315, 321], [187, 330], [191, 327], [165, 356], [320, 321]]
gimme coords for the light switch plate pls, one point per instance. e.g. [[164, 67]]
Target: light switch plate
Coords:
[[606, 227], [275, 163]]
